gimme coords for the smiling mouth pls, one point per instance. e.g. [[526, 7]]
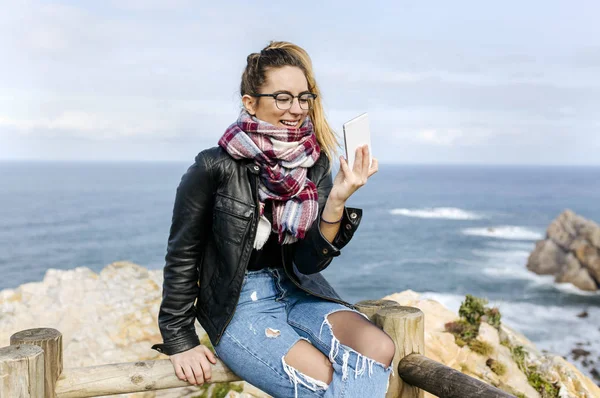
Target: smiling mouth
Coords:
[[289, 123]]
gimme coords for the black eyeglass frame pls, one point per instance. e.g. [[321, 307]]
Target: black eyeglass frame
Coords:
[[274, 96]]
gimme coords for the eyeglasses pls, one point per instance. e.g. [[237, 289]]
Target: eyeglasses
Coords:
[[284, 100]]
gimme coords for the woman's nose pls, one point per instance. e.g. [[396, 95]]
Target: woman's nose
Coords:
[[295, 108]]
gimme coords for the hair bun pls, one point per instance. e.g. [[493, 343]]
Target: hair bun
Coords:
[[252, 58]]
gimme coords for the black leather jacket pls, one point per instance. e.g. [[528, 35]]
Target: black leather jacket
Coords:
[[211, 238]]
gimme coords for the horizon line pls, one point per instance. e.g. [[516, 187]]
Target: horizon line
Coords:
[[165, 161]]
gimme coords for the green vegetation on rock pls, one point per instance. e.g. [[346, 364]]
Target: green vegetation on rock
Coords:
[[219, 390], [203, 392], [497, 367], [481, 347], [534, 377], [472, 312], [462, 330]]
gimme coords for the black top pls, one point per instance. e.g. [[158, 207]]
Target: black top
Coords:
[[270, 254]]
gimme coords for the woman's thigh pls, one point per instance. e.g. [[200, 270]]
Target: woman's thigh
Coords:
[[258, 338], [308, 315]]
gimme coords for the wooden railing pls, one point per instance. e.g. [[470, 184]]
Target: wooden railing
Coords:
[[32, 366]]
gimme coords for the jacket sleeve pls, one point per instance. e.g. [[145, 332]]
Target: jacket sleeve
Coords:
[[187, 235], [314, 253]]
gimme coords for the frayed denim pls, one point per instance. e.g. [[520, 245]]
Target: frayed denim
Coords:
[[271, 317]]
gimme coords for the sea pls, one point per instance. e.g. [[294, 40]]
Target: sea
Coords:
[[441, 230]]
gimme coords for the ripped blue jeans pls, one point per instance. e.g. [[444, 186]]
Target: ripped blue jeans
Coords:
[[272, 315]]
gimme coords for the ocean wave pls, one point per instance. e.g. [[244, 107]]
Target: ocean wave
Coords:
[[511, 264], [511, 245], [556, 329], [512, 273], [448, 300], [509, 255], [547, 281], [505, 232], [536, 281], [447, 213]]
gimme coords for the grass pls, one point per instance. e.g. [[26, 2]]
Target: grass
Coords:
[[481, 347], [543, 386], [219, 390], [222, 389], [519, 355], [534, 377], [497, 367], [462, 330], [203, 392]]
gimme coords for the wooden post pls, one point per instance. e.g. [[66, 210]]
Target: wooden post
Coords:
[[21, 371], [405, 325], [50, 340], [370, 307]]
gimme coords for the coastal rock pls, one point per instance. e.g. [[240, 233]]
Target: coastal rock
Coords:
[[570, 252], [573, 272], [440, 346], [111, 317], [547, 258]]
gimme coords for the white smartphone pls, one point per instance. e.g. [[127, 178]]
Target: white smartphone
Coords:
[[357, 133]]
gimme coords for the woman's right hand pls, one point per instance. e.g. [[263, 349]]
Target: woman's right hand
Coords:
[[192, 365]]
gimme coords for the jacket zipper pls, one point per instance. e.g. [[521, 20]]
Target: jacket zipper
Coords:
[[254, 226]]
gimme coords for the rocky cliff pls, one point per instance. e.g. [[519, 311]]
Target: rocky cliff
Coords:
[[111, 317]]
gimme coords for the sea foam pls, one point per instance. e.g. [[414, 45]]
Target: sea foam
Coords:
[[505, 232], [447, 213]]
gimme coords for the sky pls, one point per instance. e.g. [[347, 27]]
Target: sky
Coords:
[[444, 82]]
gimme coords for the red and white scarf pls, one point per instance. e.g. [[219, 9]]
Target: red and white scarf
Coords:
[[283, 155]]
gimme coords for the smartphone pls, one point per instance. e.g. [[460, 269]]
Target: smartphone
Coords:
[[357, 133]]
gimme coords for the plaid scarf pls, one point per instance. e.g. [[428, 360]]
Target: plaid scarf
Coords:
[[283, 156]]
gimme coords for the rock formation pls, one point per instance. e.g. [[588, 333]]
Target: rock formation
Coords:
[[111, 317], [440, 346], [570, 252]]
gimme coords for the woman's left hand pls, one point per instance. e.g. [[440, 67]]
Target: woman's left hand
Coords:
[[348, 181]]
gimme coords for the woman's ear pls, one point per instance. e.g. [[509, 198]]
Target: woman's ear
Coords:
[[249, 103]]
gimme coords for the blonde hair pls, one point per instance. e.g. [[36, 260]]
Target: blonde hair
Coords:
[[281, 53]]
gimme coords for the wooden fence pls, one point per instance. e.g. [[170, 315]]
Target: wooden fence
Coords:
[[32, 367]]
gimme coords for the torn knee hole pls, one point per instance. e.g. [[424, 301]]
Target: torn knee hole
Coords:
[[297, 377], [307, 362]]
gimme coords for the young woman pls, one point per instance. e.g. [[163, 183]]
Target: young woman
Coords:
[[254, 222]]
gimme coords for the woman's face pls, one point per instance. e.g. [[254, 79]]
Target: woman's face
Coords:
[[288, 79]]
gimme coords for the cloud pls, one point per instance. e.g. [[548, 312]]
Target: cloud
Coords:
[[452, 137], [159, 70], [129, 118], [93, 126], [436, 137]]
